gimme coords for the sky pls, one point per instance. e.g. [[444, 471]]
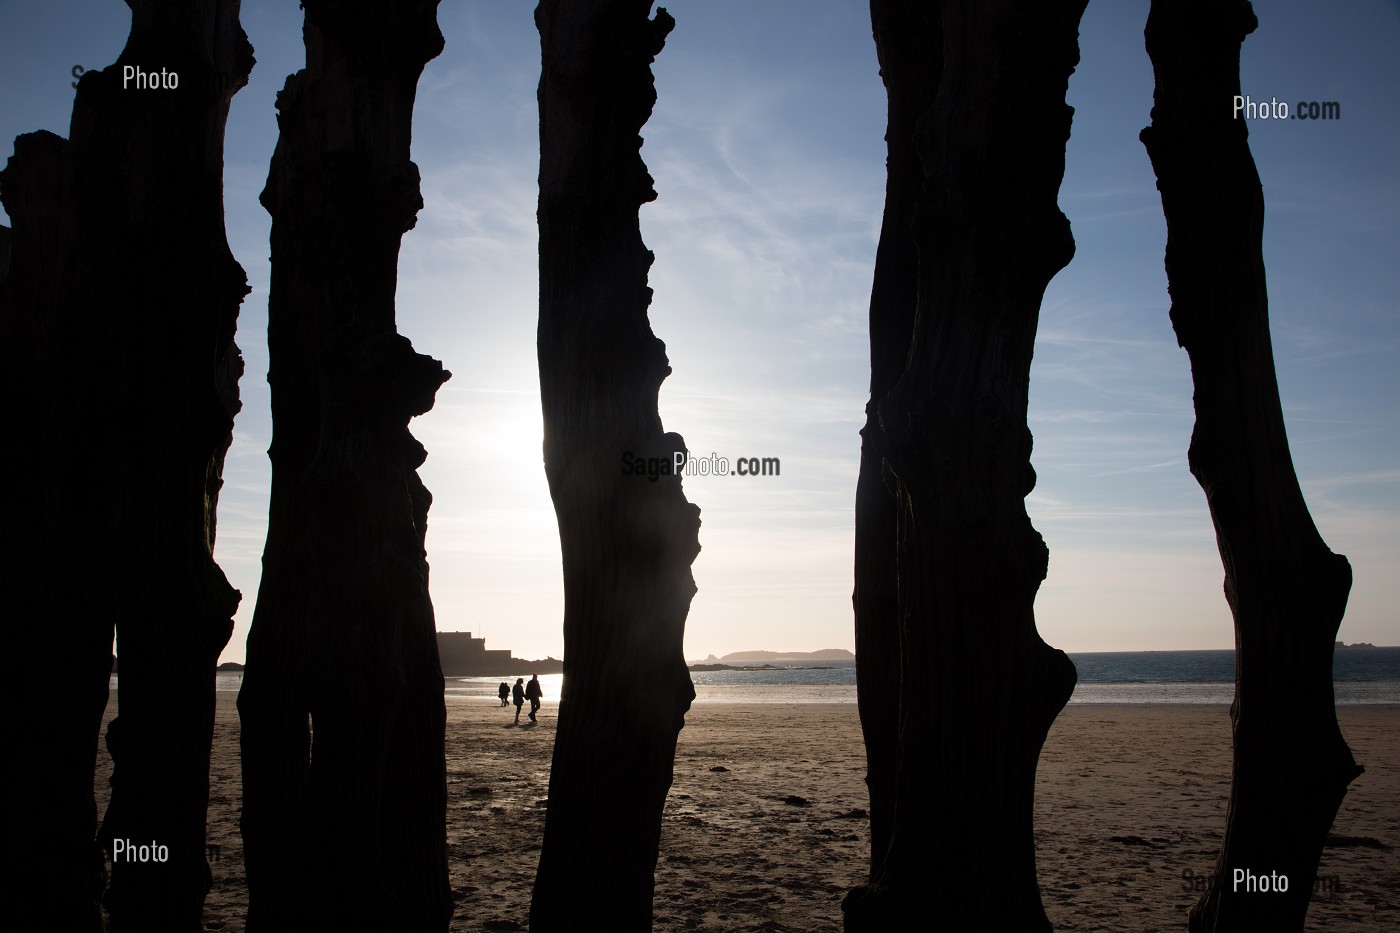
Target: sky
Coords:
[[767, 149]]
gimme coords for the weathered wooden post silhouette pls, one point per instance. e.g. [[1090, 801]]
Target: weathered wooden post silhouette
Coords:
[[908, 43], [1287, 591], [349, 831], [979, 689], [61, 631], [131, 308], [627, 542]]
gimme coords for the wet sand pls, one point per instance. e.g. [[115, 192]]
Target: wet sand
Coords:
[[1129, 799]]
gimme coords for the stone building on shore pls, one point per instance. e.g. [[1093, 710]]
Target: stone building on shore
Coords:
[[465, 656]]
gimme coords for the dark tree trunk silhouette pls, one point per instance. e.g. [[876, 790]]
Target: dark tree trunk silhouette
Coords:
[[627, 542], [140, 311], [979, 689], [62, 632], [909, 46], [1286, 589], [349, 832]]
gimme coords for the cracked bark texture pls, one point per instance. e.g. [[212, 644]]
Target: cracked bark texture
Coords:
[[627, 542], [349, 833], [979, 689], [1286, 589], [133, 297], [908, 43]]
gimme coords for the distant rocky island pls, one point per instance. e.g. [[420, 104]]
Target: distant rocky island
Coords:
[[227, 667], [826, 654], [1359, 644], [726, 663]]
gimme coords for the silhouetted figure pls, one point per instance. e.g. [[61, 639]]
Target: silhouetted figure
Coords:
[[504, 693], [533, 691], [518, 694]]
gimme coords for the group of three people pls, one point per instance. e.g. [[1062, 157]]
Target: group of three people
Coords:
[[522, 692]]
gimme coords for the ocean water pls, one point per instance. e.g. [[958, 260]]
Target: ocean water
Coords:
[[1360, 676], [1363, 676]]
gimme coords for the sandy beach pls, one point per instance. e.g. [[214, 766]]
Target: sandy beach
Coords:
[[1129, 799]]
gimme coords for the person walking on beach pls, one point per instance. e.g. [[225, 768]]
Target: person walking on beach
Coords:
[[534, 691], [504, 693], [518, 694]]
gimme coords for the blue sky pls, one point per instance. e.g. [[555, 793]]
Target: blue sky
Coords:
[[767, 150]]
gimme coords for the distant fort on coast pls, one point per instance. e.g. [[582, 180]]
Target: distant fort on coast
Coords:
[[465, 656]]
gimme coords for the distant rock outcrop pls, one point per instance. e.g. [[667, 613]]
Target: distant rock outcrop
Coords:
[[825, 654]]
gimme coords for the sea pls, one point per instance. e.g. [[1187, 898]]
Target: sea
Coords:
[[1362, 677]]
